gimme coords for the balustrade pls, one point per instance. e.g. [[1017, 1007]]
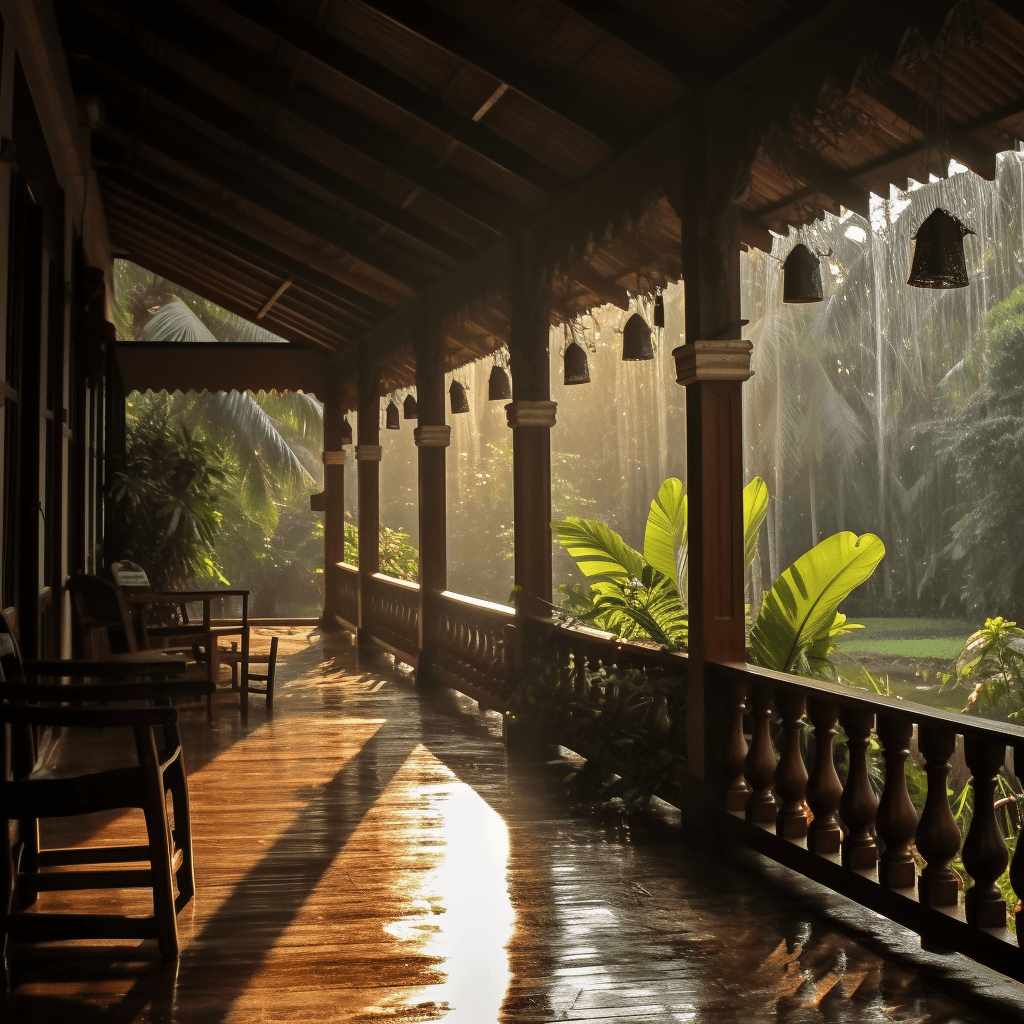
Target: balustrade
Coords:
[[881, 842], [392, 615], [347, 584]]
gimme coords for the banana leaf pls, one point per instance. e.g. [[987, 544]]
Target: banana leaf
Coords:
[[799, 611], [665, 536], [598, 550], [755, 509]]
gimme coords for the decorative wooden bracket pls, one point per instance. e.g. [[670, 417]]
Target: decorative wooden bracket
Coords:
[[433, 435], [525, 413], [712, 360]]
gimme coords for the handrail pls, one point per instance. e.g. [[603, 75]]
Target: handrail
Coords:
[[792, 805], [391, 615]]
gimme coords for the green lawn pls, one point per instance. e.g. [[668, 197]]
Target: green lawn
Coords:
[[910, 638]]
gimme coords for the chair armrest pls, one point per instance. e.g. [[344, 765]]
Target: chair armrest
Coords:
[[48, 714], [117, 666], [21, 692], [182, 596]]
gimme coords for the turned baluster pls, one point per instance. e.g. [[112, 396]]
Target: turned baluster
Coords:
[[938, 836], [759, 766], [896, 821], [984, 853], [736, 789], [857, 805], [1017, 864], [824, 789], [791, 774]]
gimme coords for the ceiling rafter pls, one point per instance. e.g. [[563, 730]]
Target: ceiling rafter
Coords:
[[489, 56], [194, 252], [113, 60], [222, 56], [273, 195], [921, 115], [631, 27], [884, 164], [427, 108], [243, 244]]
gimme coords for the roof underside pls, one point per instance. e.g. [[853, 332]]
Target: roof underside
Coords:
[[321, 165]]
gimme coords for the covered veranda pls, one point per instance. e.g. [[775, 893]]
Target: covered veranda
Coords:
[[398, 189], [400, 865]]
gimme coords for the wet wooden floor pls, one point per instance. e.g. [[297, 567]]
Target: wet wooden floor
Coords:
[[370, 854]]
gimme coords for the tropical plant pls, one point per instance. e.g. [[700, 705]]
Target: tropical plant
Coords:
[[399, 559], [164, 502], [636, 595], [991, 667]]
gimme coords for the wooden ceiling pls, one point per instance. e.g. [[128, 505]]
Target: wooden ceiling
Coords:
[[320, 165]]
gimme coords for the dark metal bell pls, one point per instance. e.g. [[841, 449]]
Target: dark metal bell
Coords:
[[410, 409], [939, 252], [659, 310], [801, 276], [577, 370], [457, 394], [391, 416], [499, 387], [637, 340], [346, 431]]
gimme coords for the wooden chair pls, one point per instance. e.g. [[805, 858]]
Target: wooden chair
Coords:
[[233, 658], [202, 636], [101, 625], [160, 861]]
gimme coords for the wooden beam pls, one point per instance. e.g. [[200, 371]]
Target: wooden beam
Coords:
[[278, 292], [921, 115], [489, 56], [822, 178], [380, 80], [219, 366], [244, 244], [113, 60], [223, 57], [632, 28], [274, 195], [597, 284]]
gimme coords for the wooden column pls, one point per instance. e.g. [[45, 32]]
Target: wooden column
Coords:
[[432, 437], [334, 503], [712, 365], [531, 415], [368, 451]]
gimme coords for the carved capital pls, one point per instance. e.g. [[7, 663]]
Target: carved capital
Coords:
[[432, 435], [712, 360], [531, 414], [368, 452], [334, 458]]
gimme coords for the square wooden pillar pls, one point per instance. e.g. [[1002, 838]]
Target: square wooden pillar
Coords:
[[334, 507], [712, 366], [432, 437], [368, 452], [531, 415]]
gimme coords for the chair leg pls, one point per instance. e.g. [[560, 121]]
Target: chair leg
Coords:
[[158, 830], [28, 862], [176, 782], [271, 672]]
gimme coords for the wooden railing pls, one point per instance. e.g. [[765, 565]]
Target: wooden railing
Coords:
[[790, 805], [346, 594], [391, 615], [793, 806], [469, 646]]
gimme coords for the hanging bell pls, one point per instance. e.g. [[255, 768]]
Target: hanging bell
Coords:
[[457, 394], [577, 371], [391, 416], [346, 431], [659, 310], [499, 387], [410, 410], [939, 252], [801, 276], [636, 339]]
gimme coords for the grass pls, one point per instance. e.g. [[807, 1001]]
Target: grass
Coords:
[[910, 638]]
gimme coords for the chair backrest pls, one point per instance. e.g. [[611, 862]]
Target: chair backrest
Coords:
[[100, 620], [130, 576]]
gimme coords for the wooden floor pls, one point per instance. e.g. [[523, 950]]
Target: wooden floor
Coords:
[[369, 854]]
